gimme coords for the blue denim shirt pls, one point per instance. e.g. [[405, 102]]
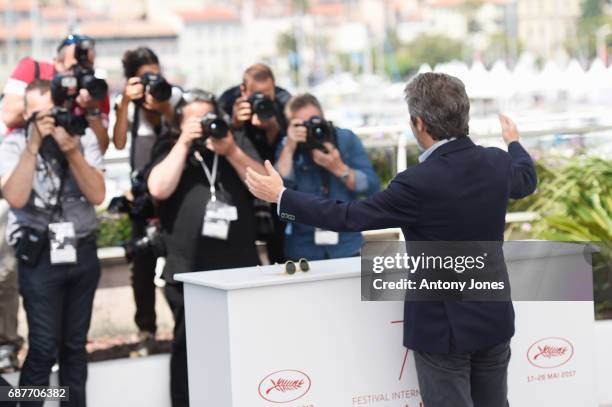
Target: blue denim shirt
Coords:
[[308, 177]]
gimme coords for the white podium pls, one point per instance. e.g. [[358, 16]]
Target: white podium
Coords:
[[257, 337]]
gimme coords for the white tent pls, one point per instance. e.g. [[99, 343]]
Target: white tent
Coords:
[[575, 80], [478, 82]]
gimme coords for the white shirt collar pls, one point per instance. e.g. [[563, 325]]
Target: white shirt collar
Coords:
[[425, 154]]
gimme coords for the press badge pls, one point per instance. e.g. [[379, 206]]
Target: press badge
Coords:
[[62, 241], [217, 219], [325, 237]]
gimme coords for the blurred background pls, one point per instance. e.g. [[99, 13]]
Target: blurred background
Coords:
[[544, 62]]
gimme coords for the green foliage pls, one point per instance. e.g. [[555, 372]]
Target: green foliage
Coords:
[[591, 9], [574, 201], [591, 19], [427, 49], [499, 47], [383, 161], [113, 230], [286, 43]]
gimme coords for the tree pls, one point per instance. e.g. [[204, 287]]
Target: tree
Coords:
[[591, 9], [592, 17], [427, 49]]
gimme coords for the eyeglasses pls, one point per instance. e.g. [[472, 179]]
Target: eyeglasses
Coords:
[[291, 267]]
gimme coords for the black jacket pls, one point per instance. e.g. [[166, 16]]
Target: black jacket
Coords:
[[460, 193]]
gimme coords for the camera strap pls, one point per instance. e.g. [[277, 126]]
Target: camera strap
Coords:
[[134, 133], [325, 181], [210, 175]]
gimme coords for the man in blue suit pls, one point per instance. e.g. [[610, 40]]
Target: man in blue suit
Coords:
[[458, 192]]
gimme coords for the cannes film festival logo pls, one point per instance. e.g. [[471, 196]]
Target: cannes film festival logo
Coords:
[[551, 352], [284, 386]]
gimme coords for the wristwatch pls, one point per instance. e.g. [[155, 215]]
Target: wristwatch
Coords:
[[345, 175], [93, 113]]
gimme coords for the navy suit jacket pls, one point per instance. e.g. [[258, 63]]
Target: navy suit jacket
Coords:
[[459, 193]]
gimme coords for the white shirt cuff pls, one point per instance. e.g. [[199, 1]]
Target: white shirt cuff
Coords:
[[280, 196]]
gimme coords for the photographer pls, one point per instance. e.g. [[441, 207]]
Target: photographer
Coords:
[[52, 179], [75, 56], [324, 160], [256, 109], [10, 341], [205, 210], [144, 110]]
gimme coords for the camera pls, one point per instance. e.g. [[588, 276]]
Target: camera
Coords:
[[65, 87], [157, 86], [152, 242], [262, 106], [86, 79], [141, 207], [319, 131], [82, 48], [212, 126], [74, 125]]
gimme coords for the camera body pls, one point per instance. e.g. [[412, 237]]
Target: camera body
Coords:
[[81, 50], [157, 86], [319, 131], [140, 209], [212, 126], [151, 243], [65, 87], [74, 125], [86, 79], [262, 106]]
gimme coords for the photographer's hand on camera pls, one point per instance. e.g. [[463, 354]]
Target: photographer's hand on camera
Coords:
[[86, 101], [241, 112], [296, 133], [89, 179], [225, 146], [190, 130], [332, 162], [134, 90], [68, 143], [270, 126], [42, 126], [92, 109], [165, 107]]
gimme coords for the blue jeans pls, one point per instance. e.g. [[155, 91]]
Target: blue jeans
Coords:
[[58, 301]]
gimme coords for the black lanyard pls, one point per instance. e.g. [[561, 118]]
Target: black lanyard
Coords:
[[57, 208]]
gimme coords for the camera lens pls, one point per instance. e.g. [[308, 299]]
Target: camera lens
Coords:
[[157, 86], [215, 127], [319, 132], [262, 106]]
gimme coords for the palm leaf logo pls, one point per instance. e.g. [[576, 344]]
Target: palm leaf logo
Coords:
[[285, 385]]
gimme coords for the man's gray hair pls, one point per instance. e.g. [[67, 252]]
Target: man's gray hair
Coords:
[[442, 104]]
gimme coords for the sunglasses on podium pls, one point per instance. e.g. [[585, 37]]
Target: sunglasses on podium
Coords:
[[291, 266]]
